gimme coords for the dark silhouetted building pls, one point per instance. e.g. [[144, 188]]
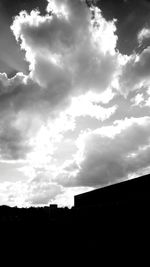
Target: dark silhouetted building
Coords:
[[53, 206], [135, 190]]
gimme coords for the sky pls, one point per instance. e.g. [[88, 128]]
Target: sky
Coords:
[[74, 97]]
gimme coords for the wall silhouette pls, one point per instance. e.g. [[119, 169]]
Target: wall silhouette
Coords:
[[134, 190], [118, 212]]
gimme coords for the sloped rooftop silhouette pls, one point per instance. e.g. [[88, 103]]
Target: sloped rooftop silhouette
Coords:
[[137, 189]]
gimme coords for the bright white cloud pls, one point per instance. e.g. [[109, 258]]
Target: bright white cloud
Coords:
[[143, 34], [85, 105], [63, 59], [63, 63], [137, 100]]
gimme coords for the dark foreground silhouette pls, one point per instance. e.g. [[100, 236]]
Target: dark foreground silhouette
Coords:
[[117, 213]]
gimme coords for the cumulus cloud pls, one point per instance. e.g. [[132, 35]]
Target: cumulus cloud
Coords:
[[62, 59], [63, 63], [109, 154]]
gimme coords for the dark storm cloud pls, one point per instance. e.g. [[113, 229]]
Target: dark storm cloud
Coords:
[[11, 58], [12, 143], [20, 104], [12, 8], [16, 94], [132, 16]]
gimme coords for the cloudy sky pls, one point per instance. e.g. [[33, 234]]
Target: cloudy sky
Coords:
[[74, 97]]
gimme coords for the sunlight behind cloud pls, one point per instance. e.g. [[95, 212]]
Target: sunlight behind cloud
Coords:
[[79, 119], [87, 105]]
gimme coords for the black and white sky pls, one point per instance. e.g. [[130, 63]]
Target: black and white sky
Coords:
[[74, 97]]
